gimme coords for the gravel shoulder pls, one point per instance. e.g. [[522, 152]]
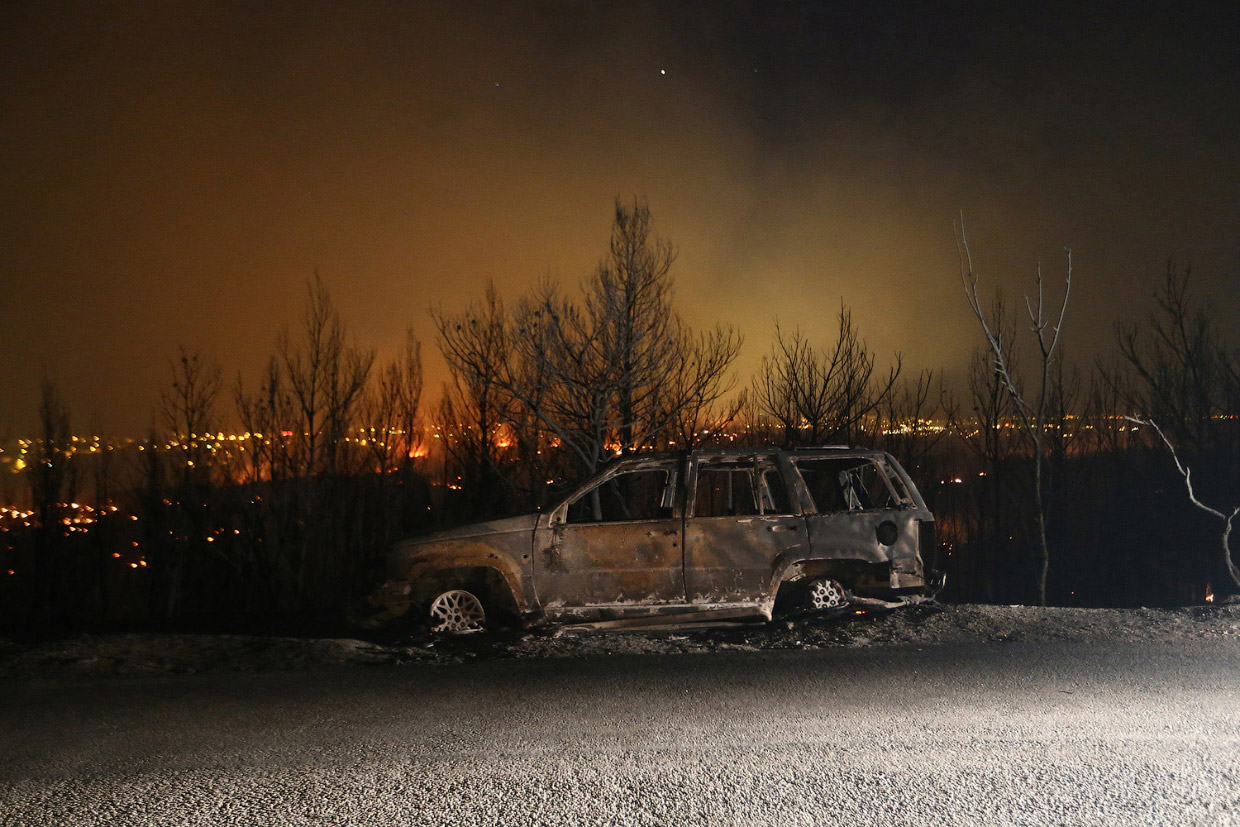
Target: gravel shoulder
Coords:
[[926, 625]]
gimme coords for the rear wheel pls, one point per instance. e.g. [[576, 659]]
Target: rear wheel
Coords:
[[457, 612], [825, 594]]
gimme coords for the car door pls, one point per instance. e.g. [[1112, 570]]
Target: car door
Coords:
[[740, 524], [616, 543], [862, 513]]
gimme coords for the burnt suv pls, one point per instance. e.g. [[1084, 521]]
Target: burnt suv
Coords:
[[658, 538]]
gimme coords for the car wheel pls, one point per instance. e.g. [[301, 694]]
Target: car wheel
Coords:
[[825, 594], [457, 612]]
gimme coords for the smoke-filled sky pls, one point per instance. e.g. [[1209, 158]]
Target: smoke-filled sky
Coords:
[[173, 174]]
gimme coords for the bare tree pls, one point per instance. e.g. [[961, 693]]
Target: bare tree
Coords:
[[702, 422], [902, 423], [391, 408], [299, 424], [567, 377], [52, 477], [696, 414], [607, 375], [984, 431], [52, 481], [264, 414], [1183, 373], [1177, 369], [476, 410], [778, 387], [1031, 416], [629, 306], [1187, 473], [385, 490], [326, 376], [819, 396], [755, 427], [187, 409], [1063, 430]]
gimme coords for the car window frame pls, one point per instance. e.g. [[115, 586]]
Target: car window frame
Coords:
[[674, 484], [885, 471], [753, 462]]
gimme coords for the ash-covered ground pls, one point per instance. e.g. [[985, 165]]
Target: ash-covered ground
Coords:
[[925, 625]]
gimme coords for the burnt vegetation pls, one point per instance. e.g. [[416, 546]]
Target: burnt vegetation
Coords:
[[1050, 484]]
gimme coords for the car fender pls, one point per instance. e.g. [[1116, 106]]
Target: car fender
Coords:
[[430, 559]]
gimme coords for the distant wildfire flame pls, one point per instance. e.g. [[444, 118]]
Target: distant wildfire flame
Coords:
[[1209, 594]]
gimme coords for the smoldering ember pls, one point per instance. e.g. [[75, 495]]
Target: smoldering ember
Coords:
[[646, 413]]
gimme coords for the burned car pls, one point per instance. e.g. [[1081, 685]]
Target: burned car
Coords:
[[658, 538]]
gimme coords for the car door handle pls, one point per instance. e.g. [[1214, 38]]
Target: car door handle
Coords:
[[781, 527], [671, 533]]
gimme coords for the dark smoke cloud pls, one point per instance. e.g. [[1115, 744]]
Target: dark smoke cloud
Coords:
[[174, 173]]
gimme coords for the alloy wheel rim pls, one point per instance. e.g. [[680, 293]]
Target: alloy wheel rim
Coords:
[[457, 612]]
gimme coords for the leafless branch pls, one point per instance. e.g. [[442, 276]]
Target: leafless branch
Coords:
[[1187, 473], [1031, 415]]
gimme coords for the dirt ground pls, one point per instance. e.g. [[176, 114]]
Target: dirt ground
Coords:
[[926, 625]]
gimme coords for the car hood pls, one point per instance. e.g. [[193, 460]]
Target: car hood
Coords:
[[526, 522]]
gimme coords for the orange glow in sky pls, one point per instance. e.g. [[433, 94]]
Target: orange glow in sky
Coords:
[[174, 173]]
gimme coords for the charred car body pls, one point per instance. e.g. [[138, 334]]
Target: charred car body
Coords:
[[662, 537]]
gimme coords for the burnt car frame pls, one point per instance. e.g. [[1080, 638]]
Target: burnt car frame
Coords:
[[657, 538]]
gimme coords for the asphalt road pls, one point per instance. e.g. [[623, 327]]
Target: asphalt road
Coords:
[[994, 734]]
